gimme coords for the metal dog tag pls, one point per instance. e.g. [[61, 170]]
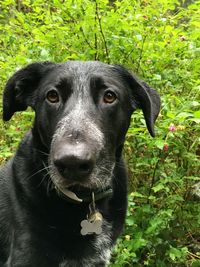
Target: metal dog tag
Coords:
[[93, 224]]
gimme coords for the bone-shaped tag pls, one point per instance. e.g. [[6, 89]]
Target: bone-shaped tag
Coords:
[[93, 225]]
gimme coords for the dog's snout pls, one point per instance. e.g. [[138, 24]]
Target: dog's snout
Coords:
[[74, 162]]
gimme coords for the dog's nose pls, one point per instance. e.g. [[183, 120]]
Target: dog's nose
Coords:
[[74, 162]]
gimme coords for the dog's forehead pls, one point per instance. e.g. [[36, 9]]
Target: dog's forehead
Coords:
[[80, 71], [87, 67]]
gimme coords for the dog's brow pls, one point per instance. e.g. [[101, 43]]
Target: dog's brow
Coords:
[[97, 81], [63, 82]]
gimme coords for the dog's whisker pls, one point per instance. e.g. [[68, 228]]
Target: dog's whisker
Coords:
[[42, 152], [35, 173], [50, 186], [47, 175]]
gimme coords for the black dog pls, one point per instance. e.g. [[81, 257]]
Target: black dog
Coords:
[[63, 196]]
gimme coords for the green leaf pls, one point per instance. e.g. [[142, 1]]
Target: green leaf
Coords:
[[158, 187], [160, 143], [195, 263], [170, 115], [197, 114]]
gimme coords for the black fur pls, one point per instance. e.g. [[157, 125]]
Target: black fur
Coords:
[[37, 226]]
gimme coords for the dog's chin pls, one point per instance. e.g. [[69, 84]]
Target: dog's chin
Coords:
[[74, 191], [63, 184]]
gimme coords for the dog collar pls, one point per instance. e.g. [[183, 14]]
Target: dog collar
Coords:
[[83, 197]]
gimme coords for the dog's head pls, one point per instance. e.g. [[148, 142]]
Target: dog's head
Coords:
[[83, 111]]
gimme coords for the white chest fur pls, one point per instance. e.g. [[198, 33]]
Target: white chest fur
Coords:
[[102, 245]]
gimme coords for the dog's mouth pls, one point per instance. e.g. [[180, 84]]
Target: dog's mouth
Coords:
[[98, 182]]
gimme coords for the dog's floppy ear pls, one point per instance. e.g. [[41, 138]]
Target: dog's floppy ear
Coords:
[[18, 92], [143, 97]]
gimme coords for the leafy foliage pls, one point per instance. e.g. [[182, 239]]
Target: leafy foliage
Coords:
[[160, 42]]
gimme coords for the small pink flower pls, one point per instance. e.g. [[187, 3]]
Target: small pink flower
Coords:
[[172, 128]]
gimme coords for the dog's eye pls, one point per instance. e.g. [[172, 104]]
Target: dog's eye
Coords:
[[109, 97], [52, 96]]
